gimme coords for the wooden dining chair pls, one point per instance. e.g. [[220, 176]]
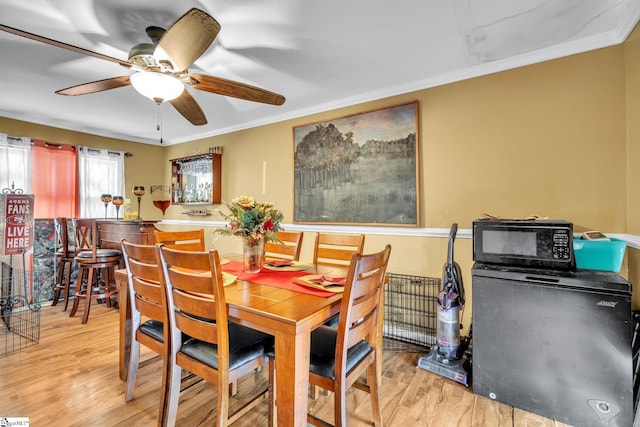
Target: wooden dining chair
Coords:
[[289, 249], [65, 253], [339, 356], [190, 240], [336, 249], [148, 312], [95, 268], [216, 350]]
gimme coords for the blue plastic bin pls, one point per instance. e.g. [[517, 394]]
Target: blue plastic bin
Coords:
[[599, 254]]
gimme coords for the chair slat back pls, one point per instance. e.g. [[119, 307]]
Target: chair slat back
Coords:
[[62, 236], [143, 273], [336, 249], [288, 249], [360, 310], [195, 295], [191, 240], [86, 232]]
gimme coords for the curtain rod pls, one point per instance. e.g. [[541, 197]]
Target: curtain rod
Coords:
[[46, 144], [53, 145], [97, 150]]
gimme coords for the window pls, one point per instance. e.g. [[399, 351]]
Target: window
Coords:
[[99, 172], [15, 163]]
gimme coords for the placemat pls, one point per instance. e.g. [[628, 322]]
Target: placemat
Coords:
[[316, 281], [278, 279], [295, 266]]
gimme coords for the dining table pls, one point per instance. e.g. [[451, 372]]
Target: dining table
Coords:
[[268, 301]]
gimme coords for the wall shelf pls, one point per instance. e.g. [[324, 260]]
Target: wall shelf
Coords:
[[200, 212], [192, 203], [195, 180]]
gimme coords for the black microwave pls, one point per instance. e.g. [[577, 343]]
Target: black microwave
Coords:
[[524, 243]]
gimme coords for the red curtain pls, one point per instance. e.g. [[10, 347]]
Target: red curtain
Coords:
[[54, 180]]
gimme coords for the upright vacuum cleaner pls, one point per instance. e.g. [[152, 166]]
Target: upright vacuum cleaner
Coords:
[[447, 357]]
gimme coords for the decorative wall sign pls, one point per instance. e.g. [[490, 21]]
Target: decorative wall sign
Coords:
[[359, 169], [16, 211]]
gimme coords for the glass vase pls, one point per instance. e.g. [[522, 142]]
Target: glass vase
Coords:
[[252, 255]]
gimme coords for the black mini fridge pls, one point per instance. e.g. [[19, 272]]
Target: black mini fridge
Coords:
[[555, 343]]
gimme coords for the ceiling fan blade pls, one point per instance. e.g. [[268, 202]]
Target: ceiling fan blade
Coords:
[[188, 38], [97, 86], [62, 45], [189, 108], [235, 89]]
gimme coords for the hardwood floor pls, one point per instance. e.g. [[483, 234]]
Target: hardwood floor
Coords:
[[70, 378]]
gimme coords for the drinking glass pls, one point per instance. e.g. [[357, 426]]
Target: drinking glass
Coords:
[[138, 191], [117, 202], [105, 198]]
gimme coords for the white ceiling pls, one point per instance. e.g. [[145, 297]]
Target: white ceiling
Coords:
[[320, 55]]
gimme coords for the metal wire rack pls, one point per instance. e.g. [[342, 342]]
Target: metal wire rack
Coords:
[[19, 308], [410, 312]]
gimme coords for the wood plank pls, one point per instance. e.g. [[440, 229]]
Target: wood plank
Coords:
[[491, 413], [71, 376]]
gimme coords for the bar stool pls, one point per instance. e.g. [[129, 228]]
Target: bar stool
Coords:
[[65, 254], [95, 267]]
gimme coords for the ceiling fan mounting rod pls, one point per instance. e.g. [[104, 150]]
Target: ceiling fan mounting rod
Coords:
[[149, 63]]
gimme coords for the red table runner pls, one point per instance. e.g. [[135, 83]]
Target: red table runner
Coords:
[[278, 279]]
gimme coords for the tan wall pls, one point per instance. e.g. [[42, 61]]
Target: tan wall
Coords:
[[548, 139], [632, 58], [512, 143]]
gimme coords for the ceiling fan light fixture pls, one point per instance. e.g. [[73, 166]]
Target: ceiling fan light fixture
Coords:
[[157, 86]]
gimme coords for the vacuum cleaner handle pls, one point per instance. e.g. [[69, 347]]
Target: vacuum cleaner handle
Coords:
[[452, 237], [454, 230], [452, 292]]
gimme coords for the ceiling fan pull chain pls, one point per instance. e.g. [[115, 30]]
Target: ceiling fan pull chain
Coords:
[[159, 124]]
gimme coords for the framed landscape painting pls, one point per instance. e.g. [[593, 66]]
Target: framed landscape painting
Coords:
[[359, 169]]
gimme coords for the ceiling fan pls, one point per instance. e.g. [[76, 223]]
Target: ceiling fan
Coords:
[[160, 67]]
